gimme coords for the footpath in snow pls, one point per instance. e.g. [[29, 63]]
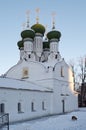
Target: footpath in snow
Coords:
[[59, 122]]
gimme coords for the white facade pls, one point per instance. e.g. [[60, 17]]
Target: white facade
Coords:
[[37, 87], [34, 101]]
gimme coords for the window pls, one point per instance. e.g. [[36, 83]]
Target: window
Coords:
[[29, 56], [56, 56], [62, 71], [25, 72], [2, 108], [32, 106], [19, 107], [43, 105]]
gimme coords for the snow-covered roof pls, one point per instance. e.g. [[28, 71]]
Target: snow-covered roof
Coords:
[[21, 84]]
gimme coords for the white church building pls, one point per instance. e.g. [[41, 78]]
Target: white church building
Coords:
[[41, 83]]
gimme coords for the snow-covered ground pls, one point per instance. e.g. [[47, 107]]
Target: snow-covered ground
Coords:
[[59, 122]]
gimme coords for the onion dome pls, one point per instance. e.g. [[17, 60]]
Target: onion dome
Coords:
[[54, 35], [46, 45], [20, 44], [38, 28], [28, 34]]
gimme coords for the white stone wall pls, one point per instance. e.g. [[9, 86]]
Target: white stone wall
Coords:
[[64, 89], [28, 45], [57, 77], [11, 97], [36, 71], [62, 92]]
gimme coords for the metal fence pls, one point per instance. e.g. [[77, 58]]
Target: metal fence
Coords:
[[4, 121]]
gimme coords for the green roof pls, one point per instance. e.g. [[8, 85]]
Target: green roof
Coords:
[[46, 44], [28, 34], [54, 34], [20, 44], [38, 28]]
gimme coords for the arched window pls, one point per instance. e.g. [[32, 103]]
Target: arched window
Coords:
[[2, 108], [25, 72], [29, 56], [56, 56], [32, 106], [43, 105], [19, 107], [62, 71]]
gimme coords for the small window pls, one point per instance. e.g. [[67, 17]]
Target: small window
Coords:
[[32, 106], [19, 107], [43, 105], [29, 56], [2, 108], [56, 56], [62, 71], [25, 72]]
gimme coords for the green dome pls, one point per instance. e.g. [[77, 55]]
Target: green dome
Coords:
[[38, 28], [54, 34], [28, 34], [20, 44], [46, 44]]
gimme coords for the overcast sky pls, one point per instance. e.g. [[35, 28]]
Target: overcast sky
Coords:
[[70, 20]]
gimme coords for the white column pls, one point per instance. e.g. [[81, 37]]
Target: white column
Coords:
[[38, 44], [54, 45], [28, 48], [28, 45], [21, 53]]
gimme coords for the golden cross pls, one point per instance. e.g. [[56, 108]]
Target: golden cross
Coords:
[[53, 16], [37, 17], [46, 32], [27, 13], [37, 10]]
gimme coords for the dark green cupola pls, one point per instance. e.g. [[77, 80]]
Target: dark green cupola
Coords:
[[46, 45], [20, 44], [54, 34], [28, 34]]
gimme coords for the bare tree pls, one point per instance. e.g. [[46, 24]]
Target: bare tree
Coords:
[[79, 69], [82, 65]]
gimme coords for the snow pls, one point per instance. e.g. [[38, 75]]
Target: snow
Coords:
[[21, 84], [57, 122]]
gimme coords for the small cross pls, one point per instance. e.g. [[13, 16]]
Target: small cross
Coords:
[[37, 17], [27, 13], [53, 16]]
